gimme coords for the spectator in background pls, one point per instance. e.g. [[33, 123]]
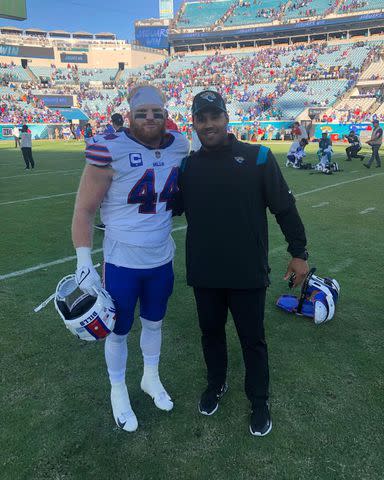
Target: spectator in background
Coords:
[[88, 132], [325, 149], [354, 146], [26, 147], [171, 125], [375, 143], [117, 122], [16, 135]]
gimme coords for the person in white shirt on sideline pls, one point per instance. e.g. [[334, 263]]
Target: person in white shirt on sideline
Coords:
[[16, 135], [26, 147], [133, 175]]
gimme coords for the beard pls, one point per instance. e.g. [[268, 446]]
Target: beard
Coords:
[[148, 134]]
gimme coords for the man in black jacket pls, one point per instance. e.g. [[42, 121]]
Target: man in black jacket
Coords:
[[225, 188], [354, 147]]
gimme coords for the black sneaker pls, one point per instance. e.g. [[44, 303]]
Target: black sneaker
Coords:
[[261, 423], [100, 226], [209, 401], [366, 166]]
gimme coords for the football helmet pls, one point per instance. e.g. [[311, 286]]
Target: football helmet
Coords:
[[317, 300], [87, 317]]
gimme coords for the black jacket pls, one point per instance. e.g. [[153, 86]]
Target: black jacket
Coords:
[[224, 194]]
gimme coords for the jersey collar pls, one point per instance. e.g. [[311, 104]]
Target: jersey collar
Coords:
[[167, 140]]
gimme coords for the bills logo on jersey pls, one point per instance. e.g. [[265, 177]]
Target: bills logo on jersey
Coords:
[[136, 160]]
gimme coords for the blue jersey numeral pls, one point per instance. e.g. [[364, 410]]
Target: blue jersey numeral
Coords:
[[143, 192]]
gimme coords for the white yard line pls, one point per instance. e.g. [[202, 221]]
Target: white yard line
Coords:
[[26, 200], [337, 185], [319, 205], [41, 266], [367, 210], [48, 172], [38, 198], [68, 259]]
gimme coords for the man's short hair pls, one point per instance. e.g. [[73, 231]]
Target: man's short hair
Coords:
[[117, 119]]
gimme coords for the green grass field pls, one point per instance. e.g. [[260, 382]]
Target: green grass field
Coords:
[[326, 382]]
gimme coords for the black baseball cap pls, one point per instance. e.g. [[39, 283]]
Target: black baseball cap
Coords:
[[208, 99], [117, 119]]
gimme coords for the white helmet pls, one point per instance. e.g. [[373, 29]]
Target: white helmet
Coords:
[[317, 300], [322, 293], [88, 317]]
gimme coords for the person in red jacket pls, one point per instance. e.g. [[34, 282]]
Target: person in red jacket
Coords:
[[171, 125]]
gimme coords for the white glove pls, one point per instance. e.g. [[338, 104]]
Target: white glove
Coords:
[[87, 278]]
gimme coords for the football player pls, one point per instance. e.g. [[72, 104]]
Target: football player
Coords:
[[133, 175]]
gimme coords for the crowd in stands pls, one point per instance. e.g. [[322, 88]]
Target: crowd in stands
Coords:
[[241, 12], [6, 73], [352, 6], [251, 84], [15, 113]]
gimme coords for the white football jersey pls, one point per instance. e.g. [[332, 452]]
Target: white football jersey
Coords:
[[137, 209]]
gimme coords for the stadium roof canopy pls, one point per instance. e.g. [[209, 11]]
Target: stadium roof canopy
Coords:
[[35, 30], [11, 29], [59, 32], [105, 34], [82, 34]]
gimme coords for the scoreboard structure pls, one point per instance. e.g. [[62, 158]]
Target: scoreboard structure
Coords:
[[13, 9], [166, 8]]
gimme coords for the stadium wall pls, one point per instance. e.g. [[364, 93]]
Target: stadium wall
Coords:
[[96, 56], [335, 130]]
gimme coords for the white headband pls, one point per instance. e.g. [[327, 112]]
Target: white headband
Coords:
[[146, 96]]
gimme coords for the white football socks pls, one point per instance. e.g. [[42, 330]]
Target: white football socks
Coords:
[[116, 354], [150, 343]]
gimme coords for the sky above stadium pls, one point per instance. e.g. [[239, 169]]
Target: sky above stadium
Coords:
[[117, 16]]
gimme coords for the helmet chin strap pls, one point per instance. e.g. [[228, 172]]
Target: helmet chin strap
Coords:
[[45, 303], [304, 289], [52, 296]]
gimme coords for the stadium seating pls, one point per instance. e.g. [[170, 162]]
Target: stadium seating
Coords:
[[97, 74], [203, 14], [251, 13], [311, 8], [350, 6], [316, 93], [375, 70]]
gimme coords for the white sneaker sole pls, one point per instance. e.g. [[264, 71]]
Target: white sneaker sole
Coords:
[[130, 425], [258, 434], [217, 406]]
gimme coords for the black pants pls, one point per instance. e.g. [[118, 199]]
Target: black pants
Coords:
[[247, 308], [27, 155], [353, 151], [17, 142]]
